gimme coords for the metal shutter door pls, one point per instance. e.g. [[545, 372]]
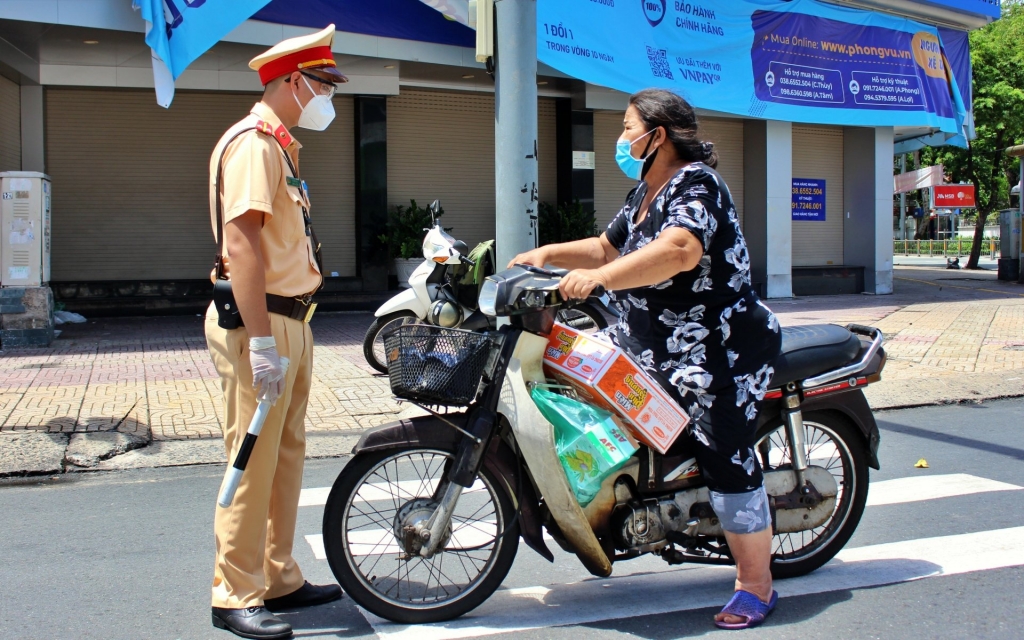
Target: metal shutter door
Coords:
[[610, 185], [10, 125], [130, 194], [818, 154], [327, 163], [441, 146], [727, 135]]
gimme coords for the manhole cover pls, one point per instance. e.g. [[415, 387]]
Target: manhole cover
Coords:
[[45, 365], [1014, 347]]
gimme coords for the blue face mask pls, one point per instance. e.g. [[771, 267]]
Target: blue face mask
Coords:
[[630, 166]]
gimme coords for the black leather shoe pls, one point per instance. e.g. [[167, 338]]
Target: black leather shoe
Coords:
[[307, 595], [251, 622]]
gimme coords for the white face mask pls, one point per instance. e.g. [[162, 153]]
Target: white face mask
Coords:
[[318, 112]]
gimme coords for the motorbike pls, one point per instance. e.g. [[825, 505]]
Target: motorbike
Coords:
[[443, 292], [424, 521]]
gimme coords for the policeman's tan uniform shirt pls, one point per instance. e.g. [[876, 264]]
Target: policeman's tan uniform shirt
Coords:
[[255, 534], [255, 177]]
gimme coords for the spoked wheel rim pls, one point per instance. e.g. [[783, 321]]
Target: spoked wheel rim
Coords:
[[825, 448], [378, 340], [399, 488]]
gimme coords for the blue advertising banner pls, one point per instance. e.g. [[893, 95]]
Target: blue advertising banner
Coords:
[[405, 19], [799, 61], [808, 199]]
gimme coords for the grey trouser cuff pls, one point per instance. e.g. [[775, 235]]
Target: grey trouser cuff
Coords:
[[742, 512]]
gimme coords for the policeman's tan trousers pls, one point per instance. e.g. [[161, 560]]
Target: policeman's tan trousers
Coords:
[[255, 534]]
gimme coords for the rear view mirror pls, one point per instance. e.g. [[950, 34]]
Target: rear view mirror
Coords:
[[433, 209]]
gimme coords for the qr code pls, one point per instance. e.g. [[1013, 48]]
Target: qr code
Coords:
[[659, 63]]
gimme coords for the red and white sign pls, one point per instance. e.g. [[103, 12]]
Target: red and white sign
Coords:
[[953, 195]]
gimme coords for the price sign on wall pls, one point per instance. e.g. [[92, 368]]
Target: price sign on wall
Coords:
[[808, 199]]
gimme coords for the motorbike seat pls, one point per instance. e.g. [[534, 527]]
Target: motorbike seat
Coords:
[[809, 350]]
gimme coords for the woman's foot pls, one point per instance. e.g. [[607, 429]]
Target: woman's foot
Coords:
[[745, 610]]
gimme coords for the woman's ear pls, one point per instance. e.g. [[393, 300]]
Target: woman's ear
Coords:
[[660, 136]]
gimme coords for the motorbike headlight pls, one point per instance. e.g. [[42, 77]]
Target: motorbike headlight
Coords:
[[488, 298]]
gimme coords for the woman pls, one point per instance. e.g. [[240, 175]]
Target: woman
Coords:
[[675, 264]]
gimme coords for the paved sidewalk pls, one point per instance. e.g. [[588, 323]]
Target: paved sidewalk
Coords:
[[143, 392]]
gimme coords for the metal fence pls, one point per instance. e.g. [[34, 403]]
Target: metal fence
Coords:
[[959, 247]]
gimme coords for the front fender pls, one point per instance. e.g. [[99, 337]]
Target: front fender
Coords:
[[406, 300], [500, 460]]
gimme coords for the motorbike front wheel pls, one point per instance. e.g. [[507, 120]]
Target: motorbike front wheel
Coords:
[[373, 341], [835, 444], [584, 317], [373, 550]]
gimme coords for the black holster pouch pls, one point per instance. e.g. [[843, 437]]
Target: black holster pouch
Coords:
[[228, 316]]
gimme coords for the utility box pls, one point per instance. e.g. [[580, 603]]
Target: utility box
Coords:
[[24, 229], [1009, 244]]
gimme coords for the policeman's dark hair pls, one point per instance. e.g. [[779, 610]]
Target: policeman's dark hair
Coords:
[[661, 108]]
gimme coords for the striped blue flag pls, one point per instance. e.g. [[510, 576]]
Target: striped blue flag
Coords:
[[179, 31]]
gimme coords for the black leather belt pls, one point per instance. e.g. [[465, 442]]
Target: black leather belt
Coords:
[[290, 307]]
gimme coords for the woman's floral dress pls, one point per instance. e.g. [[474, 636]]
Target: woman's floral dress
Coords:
[[703, 334]]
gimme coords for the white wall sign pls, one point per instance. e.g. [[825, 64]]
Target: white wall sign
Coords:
[[584, 160]]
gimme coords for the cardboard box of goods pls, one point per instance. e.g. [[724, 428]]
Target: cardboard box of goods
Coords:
[[605, 376]]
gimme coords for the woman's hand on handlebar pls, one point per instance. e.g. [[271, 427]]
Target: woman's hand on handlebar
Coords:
[[535, 257], [579, 284]]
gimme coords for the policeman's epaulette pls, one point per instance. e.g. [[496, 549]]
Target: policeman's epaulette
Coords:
[[280, 134]]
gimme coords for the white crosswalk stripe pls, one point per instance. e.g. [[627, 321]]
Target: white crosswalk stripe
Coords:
[[317, 496], [931, 487], [898, 491], [674, 589], [593, 600]]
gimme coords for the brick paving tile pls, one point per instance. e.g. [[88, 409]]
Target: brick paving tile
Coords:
[[154, 375]]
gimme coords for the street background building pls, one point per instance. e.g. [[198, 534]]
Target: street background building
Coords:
[[130, 223]]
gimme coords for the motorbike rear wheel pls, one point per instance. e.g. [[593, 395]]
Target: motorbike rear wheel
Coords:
[[373, 341], [835, 444], [370, 550]]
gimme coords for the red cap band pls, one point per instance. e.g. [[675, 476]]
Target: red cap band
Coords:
[[289, 63]]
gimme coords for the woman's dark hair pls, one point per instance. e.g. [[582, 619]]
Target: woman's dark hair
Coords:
[[661, 108]]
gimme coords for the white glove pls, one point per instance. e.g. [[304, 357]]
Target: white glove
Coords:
[[267, 373]]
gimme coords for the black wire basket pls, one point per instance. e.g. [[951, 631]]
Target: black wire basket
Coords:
[[437, 366]]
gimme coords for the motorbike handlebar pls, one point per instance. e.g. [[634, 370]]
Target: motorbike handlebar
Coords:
[[466, 260], [598, 291]]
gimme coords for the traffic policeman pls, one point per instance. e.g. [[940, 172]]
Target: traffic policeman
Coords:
[[267, 267]]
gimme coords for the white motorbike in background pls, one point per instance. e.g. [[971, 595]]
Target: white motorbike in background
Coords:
[[443, 291]]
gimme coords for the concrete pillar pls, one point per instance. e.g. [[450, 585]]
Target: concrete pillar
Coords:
[[867, 204], [33, 155], [515, 129], [768, 219]]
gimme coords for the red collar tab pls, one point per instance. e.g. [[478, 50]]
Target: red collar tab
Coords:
[[280, 133], [323, 56]]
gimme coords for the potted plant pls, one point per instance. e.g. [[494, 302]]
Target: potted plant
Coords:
[[403, 238], [565, 223]]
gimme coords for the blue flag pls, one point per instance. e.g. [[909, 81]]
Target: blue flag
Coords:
[[179, 31]]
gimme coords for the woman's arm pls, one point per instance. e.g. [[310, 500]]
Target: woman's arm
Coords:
[[589, 253], [674, 251]]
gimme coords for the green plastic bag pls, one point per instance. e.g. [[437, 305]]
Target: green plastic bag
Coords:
[[588, 442]]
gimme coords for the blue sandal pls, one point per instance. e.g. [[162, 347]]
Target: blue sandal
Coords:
[[746, 605]]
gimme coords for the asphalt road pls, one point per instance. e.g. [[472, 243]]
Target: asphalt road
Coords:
[[129, 555]]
